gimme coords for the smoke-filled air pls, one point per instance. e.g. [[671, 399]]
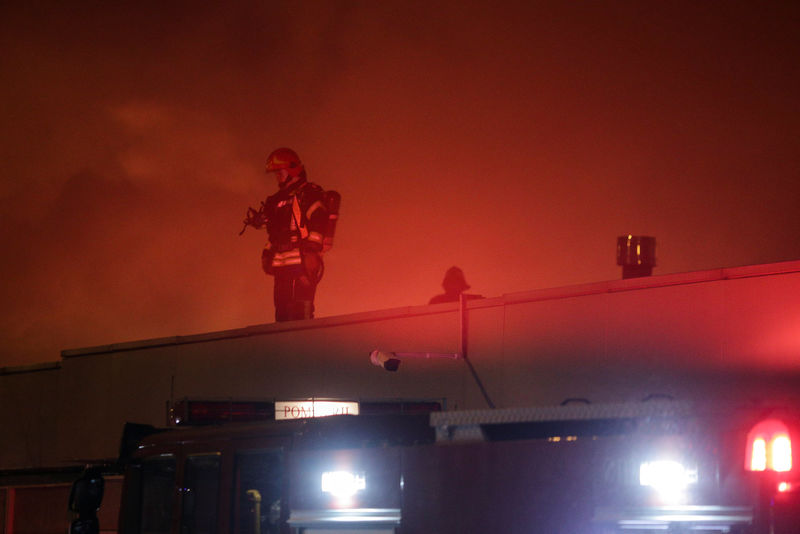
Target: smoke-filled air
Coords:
[[515, 140]]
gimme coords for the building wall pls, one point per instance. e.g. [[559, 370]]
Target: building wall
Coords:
[[29, 408], [723, 334]]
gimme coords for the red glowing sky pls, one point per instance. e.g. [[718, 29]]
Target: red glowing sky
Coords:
[[514, 140]]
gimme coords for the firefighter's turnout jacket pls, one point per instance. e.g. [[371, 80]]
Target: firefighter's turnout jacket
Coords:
[[296, 221]]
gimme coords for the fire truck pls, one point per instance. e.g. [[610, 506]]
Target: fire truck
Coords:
[[694, 425], [648, 466]]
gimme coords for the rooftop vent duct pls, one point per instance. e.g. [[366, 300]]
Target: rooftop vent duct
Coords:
[[637, 255]]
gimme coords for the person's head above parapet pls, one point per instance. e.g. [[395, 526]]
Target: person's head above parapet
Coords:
[[286, 165], [454, 281]]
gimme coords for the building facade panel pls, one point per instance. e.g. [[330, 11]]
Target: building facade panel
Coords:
[[718, 334]]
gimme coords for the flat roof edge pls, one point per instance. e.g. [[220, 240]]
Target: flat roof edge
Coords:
[[259, 329], [33, 368], [594, 288], [654, 282]]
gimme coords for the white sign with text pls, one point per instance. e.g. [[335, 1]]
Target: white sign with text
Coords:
[[313, 408]]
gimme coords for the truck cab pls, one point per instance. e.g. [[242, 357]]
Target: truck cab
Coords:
[[655, 465]]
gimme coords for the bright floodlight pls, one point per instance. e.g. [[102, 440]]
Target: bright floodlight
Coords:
[[668, 477], [342, 484]]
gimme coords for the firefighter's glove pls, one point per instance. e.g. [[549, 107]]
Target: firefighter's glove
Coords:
[[254, 218]]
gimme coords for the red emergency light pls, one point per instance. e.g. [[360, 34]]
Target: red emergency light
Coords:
[[769, 447], [190, 412], [187, 412]]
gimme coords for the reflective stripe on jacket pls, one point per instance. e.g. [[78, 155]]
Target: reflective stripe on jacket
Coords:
[[296, 220], [284, 259]]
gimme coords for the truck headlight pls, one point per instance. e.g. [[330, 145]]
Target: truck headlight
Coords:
[[343, 484], [669, 478]]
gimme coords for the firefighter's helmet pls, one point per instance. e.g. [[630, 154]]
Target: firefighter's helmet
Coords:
[[454, 281], [285, 158]]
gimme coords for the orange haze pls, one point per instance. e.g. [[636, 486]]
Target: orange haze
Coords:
[[516, 140]]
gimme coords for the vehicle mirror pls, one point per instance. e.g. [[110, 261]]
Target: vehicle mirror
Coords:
[[87, 493]]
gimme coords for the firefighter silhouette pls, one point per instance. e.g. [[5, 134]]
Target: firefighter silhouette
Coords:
[[300, 220], [454, 285]]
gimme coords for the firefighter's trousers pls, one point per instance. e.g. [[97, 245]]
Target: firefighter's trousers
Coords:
[[293, 294]]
